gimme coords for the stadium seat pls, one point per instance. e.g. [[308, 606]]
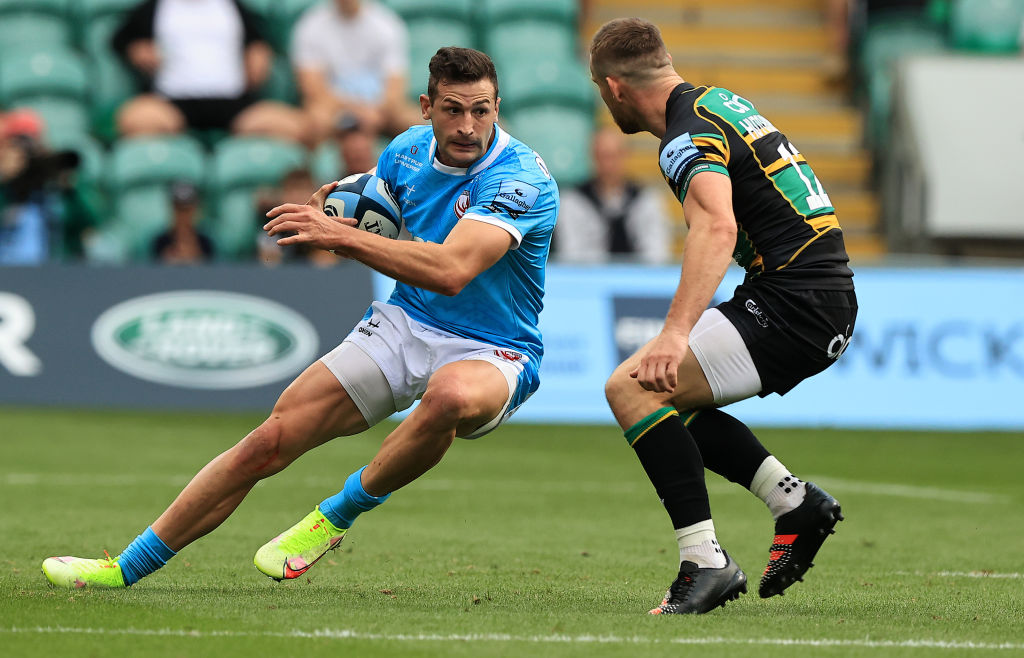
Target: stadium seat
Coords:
[[528, 41], [140, 172], [494, 12], [35, 22], [53, 82], [987, 26], [241, 166], [883, 45], [561, 135], [325, 163], [426, 35], [413, 9], [42, 72], [552, 81]]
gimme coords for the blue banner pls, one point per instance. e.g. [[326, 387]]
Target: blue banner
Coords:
[[933, 348]]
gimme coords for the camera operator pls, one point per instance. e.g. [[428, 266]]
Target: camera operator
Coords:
[[38, 198]]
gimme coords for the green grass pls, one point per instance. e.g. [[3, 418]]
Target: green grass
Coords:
[[535, 541]]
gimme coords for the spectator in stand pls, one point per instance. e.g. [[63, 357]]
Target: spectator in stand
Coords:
[[297, 186], [355, 145], [183, 243], [611, 216], [351, 57], [203, 61]]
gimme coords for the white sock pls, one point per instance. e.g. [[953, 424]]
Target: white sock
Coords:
[[697, 543], [777, 487]]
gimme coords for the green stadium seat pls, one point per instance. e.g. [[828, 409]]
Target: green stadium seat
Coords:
[[64, 118], [35, 22], [883, 45], [140, 173], [528, 40], [325, 163], [426, 35], [144, 161], [42, 72], [552, 81], [493, 12], [987, 26], [53, 82], [413, 9], [241, 166], [561, 135]]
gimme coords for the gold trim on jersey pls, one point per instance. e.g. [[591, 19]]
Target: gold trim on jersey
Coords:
[[826, 222], [808, 243]]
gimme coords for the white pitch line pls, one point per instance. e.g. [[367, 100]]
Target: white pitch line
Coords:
[[347, 634], [961, 574], [636, 486]]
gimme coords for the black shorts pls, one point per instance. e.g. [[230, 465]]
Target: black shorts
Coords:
[[791, 334], [212, 113]]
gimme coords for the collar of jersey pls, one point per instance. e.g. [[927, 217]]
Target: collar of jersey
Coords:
[[498, 144]]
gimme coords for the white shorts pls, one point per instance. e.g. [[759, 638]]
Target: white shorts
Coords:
[[387, 360], [724, 358]]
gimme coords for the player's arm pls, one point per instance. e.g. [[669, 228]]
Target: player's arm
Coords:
[[446, 268], [706, 256]]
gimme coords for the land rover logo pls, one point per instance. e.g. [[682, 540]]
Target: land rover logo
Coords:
[[205, 339]]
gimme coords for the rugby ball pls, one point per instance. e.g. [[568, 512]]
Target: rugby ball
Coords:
[[366, 198]]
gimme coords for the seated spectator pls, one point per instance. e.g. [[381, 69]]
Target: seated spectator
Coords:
[[296, 187], [183, 243], [355, 145], [610, 216], [203, 61], [350, 57]]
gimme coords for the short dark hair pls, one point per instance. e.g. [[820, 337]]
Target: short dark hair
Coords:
[[628, 48], [453, 64]]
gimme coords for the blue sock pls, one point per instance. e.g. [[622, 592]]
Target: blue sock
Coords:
[[143, 556], [342, 508]]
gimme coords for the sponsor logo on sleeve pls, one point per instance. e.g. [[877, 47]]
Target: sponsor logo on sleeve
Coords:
[[676, 155], [514, 198]]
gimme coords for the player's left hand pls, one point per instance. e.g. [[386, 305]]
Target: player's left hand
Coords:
[[658, 369], [307, 224]]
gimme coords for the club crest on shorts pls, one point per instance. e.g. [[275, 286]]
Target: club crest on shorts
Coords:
[[509, 355]]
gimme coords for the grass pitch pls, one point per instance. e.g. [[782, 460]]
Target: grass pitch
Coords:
[[535, 541]]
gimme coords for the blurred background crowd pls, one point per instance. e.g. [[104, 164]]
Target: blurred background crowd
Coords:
[[163, 130]]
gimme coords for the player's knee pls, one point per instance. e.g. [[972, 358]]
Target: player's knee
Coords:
[[260, 453], [448, 402], [620, 387]]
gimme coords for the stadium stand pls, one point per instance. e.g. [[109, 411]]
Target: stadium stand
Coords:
[[141, 171], [53, 81], [776, 54], [240, 167], [55, 57]]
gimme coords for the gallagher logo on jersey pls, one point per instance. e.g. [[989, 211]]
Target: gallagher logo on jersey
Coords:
[[462, 204], [515, 198], [676, 155]]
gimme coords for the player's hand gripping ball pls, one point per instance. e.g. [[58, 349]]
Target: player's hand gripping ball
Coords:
[[367, 199]]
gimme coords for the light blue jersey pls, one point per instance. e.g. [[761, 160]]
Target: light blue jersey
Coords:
[[508, 187]]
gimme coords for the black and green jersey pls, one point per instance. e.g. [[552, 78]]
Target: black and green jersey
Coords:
[[787, 226]]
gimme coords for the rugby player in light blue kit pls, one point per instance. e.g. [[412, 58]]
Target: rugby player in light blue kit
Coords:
[[459, 331]]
